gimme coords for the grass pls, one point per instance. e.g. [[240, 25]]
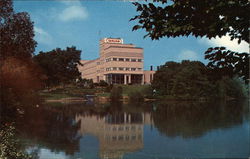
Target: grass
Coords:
[[69, 92], [73, 91], [128, 89]]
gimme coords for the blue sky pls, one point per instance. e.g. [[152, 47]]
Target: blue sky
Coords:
[[82, 23]]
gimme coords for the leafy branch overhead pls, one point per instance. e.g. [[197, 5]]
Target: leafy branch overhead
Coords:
[[206, 18], [227, 62]]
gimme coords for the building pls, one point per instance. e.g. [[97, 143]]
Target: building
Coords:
[[118, 63]]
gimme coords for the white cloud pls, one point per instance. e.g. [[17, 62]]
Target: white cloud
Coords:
[[226, 42], [74, 12], [41, 36], [188, 55], [70, 2]]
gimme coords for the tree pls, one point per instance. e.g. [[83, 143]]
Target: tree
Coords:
[[207, 18], [60, 66], [16, 32], [192, 79], [19, 76], [228, 63]]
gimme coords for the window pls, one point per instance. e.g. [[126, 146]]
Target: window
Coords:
[[109, 59], [114, 68], [127, 69], [121, 59], [133, 69], [139, 69], [133, 60], [121, 68], [139, 60], [114, 59], [127, 59]]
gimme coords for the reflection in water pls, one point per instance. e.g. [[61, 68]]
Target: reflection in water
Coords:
[[129, 131], [118, 133], [195, 119]]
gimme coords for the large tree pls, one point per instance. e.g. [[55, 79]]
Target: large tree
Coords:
[[19, 76], [206, 18], [16, 32], [60, 66]]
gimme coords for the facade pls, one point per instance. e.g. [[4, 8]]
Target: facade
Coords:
[[118, 64]]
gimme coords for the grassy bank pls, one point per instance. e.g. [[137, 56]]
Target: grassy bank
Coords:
[[77, 92], [68, 92]]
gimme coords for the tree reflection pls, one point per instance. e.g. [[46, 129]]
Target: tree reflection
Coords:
[[52, 129], [195, 119]]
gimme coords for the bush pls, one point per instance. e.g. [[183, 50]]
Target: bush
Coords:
[[102, 83], [116, 93], [9, 145], [136, 96], [109, 88], [86, 83]]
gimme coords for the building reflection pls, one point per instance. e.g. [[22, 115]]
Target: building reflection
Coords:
[[118, 133]]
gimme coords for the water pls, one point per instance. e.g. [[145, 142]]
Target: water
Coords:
[[137, 131]]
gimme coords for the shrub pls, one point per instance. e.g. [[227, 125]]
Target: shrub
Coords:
[[102, 83], [109, 88], [136, 96], [9, 145], [116, 93]]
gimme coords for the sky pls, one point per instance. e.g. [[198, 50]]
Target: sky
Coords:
[[61, 24]]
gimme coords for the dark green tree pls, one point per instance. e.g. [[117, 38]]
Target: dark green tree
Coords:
[[228, 63], [16, 32], [192, 80], [206, 18], [116, 94], [60, 66], [19, 76]]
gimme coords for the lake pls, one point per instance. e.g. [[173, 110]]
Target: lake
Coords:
[[154, 130]]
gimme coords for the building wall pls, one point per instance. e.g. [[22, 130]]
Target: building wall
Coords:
[[115, 58], [148, 76]]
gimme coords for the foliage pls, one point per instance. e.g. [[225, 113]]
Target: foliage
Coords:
[[226, 62], [20, 77], [209, 18], [136, 96], [102, 83], [60, 66], [9, 146], [206, 18], [192, 79], [29, 79], [85, 83], [16, 31], [109, 88], [116, 93]]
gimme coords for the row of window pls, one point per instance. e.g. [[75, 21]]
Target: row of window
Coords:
[[122, 128], [123, 137], [124, 59], [123, 69]]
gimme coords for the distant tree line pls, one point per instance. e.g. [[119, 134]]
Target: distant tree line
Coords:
[[192, 79]]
